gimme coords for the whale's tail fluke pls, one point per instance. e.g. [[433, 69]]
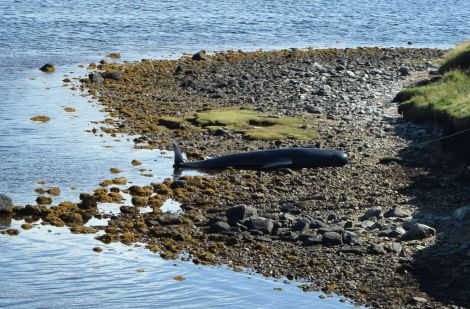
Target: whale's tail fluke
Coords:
[[178, 156]]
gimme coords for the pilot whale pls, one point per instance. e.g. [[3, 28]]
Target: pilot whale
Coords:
[[294, 158]]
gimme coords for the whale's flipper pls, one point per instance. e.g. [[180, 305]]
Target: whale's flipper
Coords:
[[178, 156], [277, 164]]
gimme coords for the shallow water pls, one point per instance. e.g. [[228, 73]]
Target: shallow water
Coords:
[[46, 269]]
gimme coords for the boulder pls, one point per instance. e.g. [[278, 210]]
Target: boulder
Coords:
[[48, 68], [333, 228], [5, 203], [169, 219], [396, 213], [199, 56], [219, 227], [111, 75], [239, 213], [332, 239], [260, 224], [419, 231], [372, 212], [301, 225], [462, 213], [351, 238]]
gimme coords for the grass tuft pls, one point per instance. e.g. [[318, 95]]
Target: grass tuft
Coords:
[[446, 101], [457, 58]]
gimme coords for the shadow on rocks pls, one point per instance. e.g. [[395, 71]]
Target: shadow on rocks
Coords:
[[440, 189]]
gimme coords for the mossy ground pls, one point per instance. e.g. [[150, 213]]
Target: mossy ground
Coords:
[[446, 101], [255, 125]]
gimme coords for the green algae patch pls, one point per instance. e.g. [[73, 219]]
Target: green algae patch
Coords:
[[457, 58], [446, 101], [41, 118], [256, 126], [114, 55]]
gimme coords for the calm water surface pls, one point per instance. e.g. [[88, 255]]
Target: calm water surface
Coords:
[[48, 267]]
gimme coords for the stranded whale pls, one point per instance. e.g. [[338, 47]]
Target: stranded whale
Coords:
[[267, 159]]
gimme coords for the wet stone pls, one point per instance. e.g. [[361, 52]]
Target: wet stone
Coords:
[[5, 203], [169, 219], [462, 213]]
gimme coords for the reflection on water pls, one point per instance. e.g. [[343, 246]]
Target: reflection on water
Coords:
[[47, 267]]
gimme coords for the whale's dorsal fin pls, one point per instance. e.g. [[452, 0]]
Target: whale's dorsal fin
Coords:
[[277, 164], [178, 156]]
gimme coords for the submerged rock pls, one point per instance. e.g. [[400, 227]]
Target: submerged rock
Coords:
[[48, 68], [6, 203], [462, 213]]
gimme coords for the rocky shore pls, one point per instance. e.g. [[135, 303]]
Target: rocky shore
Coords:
[[382, 230]]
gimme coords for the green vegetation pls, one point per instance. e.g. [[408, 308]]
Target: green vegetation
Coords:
[[446, 100], [457, 58], [254, 125]]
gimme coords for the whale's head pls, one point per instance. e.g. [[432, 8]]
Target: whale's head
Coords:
[[339, 158]]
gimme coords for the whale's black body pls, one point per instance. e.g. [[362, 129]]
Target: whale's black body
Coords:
[[294, 158]]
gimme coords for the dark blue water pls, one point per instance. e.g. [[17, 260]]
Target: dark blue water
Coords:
[[39, 268], [34, 31]]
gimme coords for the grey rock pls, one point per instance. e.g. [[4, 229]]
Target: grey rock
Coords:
[[350, 74], [95, 78], [219, 227], [333, 228], [301, 225], [393, 247], [396, 213], [169, 219], [367, 224], [372, 212], [239, 213], [404, 71], [316, 224], [325, 90], [290, 236], [111, 75], [332, 239], [351, 238], [393, 232], [419, 231], [261, 224], [313, 109], [376, 249], [462, 213], [359, 250], [312, 241], [199, 56], [5, 203]]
